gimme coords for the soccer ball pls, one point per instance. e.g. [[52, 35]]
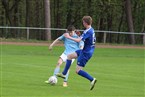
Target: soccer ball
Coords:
[[52, 80]]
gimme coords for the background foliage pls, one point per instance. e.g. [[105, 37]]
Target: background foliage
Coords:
[[106, 14]]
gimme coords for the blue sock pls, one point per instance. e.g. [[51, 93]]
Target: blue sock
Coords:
[[57, 69], [67, 66], [86, 75]]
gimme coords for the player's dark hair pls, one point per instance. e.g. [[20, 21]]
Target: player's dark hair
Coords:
[[71, 28], [87, 19]]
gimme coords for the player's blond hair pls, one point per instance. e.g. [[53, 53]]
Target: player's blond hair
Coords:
[[87, 19]]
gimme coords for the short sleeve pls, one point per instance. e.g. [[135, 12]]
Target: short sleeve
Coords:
[[61, 38]]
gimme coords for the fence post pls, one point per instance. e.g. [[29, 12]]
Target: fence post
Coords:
[[27, 33], [143, 39], [105, 34]]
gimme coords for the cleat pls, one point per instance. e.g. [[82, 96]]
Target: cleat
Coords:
[[47, 82], [65, 84], [93, 83], [60, 75]]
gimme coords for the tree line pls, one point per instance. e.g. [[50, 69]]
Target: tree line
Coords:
[[109, 15]]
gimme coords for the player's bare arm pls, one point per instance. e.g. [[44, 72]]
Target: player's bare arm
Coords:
[[54, 42], [74, 39]]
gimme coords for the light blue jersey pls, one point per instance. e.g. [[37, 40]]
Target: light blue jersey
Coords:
[[70, 45]]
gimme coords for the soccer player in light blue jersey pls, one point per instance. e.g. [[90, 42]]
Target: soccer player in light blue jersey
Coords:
[[83, 55], [70, 47]]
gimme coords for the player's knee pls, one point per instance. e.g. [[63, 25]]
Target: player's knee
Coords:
[[77, 71], [58, 64], [69, 57]]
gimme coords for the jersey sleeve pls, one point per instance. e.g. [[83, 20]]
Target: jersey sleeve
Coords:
[[61, 38]]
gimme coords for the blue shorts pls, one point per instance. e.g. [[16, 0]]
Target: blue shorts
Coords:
[[83, 57]]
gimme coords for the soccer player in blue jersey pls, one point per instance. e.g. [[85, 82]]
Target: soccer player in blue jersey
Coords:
[[70, 47], [83, 55]]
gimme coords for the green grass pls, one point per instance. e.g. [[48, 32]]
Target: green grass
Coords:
[[120, 73]]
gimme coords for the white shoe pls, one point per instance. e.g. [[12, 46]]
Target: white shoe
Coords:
[[93, 83]]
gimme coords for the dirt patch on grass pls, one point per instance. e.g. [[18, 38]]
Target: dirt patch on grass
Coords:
[[60, 44]]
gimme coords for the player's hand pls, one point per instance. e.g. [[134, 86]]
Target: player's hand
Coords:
[[78, 33], [66, 35], [50, 47]]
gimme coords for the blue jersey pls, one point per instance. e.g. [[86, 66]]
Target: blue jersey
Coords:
[[89, 39], [70, 45]]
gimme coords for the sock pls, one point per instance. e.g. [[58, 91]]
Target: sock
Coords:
[[57, 69], [66, 78], [67, 66], [86, 75]]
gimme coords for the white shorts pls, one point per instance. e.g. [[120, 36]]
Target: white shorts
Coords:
[[64, 57]]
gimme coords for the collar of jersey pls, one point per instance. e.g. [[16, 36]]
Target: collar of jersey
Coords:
[[87, 30]]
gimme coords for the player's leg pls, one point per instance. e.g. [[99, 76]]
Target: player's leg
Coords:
[[65, 82], [61, 59], [67, 75], [57, 69], [81, 62], [68, 64], [87, 76], [83, 73]]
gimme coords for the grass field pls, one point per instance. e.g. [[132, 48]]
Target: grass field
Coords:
[[120, 73]]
